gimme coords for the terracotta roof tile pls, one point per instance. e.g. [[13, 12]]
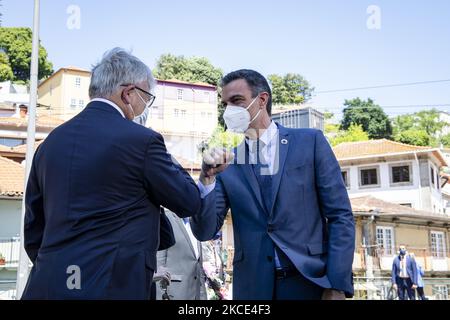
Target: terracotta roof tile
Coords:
[[372, 147]]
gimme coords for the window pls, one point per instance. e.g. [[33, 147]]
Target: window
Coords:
[[409, 205], [209, 115], [183, 113], [401, 174], [368, 177], [440, 291], [81, 103], [156, 112], [176, 113], [432, 176], [180, 94], [11, 142], [385, 240], [73, 103], [77, 82], [438, 249], [345, 177], [203, 114], [438, 180]]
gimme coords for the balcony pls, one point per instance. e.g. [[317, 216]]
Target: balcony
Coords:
[[10, 250], [382, 259]]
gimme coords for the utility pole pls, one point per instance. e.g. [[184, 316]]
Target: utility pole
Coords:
[[24, 262]]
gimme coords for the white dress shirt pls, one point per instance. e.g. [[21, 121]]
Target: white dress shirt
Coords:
[[112, 104]]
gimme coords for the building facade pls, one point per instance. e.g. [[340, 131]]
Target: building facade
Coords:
[[393, 172]]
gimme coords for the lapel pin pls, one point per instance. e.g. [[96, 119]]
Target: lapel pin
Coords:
[[284, 141]]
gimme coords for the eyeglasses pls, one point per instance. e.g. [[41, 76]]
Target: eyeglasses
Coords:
[[152, 97]]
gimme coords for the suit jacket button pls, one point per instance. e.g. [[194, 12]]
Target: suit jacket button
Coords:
[[269, 258], [270, 228]]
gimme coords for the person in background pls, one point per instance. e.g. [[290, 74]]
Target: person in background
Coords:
[[404, 275], [184, 263], [420, 274]]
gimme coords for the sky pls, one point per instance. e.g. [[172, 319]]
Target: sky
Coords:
[[333, 44]]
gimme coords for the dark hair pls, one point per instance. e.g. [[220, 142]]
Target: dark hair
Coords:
[[255, 81], [23, 106]]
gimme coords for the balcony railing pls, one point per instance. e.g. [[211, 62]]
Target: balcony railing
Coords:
[[10, 250], [382, 259]]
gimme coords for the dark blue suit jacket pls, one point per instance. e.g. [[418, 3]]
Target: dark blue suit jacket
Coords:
[[93, 201], [311, 218], [411, 269]]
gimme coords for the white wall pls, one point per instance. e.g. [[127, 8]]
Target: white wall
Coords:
[[10, 215]]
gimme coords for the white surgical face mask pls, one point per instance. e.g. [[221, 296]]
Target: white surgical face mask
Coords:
[[237, 118], [142, 118]]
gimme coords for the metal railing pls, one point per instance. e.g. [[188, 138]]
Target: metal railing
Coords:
[[9, 250]]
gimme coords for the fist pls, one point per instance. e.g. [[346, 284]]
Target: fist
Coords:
[[215, 161]]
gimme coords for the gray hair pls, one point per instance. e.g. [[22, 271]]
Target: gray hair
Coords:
[[118, 67]]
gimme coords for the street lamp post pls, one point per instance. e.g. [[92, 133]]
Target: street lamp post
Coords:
[[23, 268]]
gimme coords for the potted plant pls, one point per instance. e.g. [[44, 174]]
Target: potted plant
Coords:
[[2, 260]]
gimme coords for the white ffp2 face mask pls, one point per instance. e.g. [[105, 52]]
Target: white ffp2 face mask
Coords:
[[142, 118], [237, 118]]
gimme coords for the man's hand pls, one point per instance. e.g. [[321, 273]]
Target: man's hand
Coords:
[[163, 276], [395, 286], [215, 161], [414, 286], [331, 294]]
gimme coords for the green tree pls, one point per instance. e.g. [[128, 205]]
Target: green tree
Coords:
[[429, 121], [6, 72], [402, 123], [370, 116], [414, 137], [191, 69], [291, 88], [222, 139], [445, 140], [16, 43], [424, 123], [354, 133]]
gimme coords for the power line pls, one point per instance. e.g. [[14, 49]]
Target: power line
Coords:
[[384, 86]]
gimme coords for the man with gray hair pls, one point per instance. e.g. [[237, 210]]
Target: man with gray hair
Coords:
[[92, 222]]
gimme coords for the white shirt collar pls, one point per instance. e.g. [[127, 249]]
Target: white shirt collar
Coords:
[[112, 104], [266, 137]]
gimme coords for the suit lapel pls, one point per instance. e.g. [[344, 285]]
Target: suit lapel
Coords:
[[280, 159], [185, 233]]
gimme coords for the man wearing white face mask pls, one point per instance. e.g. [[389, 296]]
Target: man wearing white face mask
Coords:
[[92, 223], [293, 225]]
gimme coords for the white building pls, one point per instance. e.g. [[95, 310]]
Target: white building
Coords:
[[393, 172], [11, 193], [14, 93]]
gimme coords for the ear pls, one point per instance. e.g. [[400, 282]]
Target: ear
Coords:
[[125, 96], [263, 99]]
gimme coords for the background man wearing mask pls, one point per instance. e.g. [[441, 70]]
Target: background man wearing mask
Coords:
[[404, 275], [292, 220], [95, 190]]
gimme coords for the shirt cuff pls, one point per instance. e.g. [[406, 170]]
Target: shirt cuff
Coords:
[[205, 190]]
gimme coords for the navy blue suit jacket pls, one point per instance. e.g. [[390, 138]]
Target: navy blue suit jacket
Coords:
[[93, 201], [310, 220], [411, 269]]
